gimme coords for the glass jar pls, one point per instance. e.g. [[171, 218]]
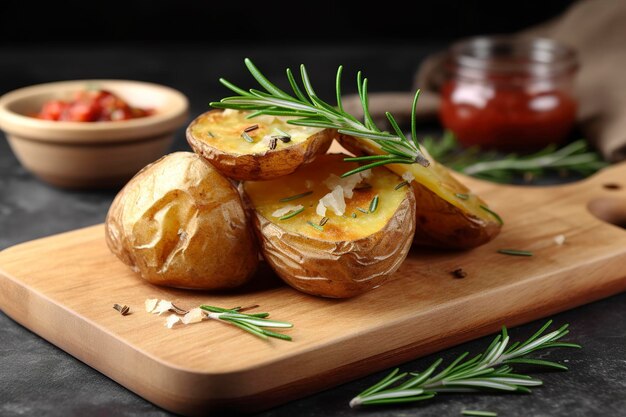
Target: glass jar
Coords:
[[509, 94]]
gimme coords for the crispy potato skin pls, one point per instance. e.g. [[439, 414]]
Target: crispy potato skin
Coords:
[[337, 269], [261, 166], [442, 225], [438, 222], [180, 223]]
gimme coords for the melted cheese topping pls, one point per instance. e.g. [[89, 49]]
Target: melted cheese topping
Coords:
[[223, 130], [266, 196]]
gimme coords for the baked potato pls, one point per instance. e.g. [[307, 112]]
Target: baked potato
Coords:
[[261, 148], [329, 236], [180, 223], [448, 215]]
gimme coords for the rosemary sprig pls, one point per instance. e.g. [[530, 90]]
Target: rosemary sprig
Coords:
[[255, 324], [574, 157], [490, 371], [307, 109]]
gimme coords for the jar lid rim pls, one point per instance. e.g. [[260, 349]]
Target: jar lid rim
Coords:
[[513, 54]]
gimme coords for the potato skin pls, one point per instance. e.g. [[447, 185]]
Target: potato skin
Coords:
[[439, 223], [180, 223], [340, 269], [261, 166]]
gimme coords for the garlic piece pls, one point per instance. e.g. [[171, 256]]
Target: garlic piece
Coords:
[[333, 200], [348, 183], [171, 321], [151, 304], [195, 315], [162, 307]]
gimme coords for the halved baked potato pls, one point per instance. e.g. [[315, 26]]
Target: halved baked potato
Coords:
[[180, 223], [333, 237], [448, 214], [261, 148]]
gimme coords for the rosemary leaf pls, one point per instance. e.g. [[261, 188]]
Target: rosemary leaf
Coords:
[[515, 252], [402, 184], [292, 214], [478, 413], [315, 226], [295, 197], [374, 204], [493, 213]]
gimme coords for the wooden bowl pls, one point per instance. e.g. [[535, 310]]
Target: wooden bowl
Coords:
[[91, 154]]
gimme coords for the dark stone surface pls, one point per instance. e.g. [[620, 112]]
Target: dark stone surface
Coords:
[[36, 378]]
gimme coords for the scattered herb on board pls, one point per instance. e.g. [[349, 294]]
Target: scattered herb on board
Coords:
[[515, 252], [575, 157], [462, 196], [478, 413], [362, 210], [123, 309], [323, 221], [459, 273], [491, 370], [256, 324], [307, 109], [251, 128]]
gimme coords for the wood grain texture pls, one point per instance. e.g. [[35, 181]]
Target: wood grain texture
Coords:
[[63, 288]]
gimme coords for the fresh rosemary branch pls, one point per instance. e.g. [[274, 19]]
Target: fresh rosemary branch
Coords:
[[307, 109], [255, 324], [490, 370], [574, 157]]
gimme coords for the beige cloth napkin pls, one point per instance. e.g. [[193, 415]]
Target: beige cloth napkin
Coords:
[[597, 30]]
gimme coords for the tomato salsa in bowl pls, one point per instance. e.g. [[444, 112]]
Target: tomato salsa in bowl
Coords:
[[91, 105], [87, 133]]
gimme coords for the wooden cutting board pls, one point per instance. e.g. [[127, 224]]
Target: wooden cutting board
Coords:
[[63, 288]]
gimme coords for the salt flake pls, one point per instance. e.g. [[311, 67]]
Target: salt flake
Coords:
[[559, 240]]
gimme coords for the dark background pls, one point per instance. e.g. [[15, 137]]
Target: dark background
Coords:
[[278, 21]]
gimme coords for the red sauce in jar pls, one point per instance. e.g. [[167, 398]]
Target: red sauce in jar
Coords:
[[509, 95], [91, 106]]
